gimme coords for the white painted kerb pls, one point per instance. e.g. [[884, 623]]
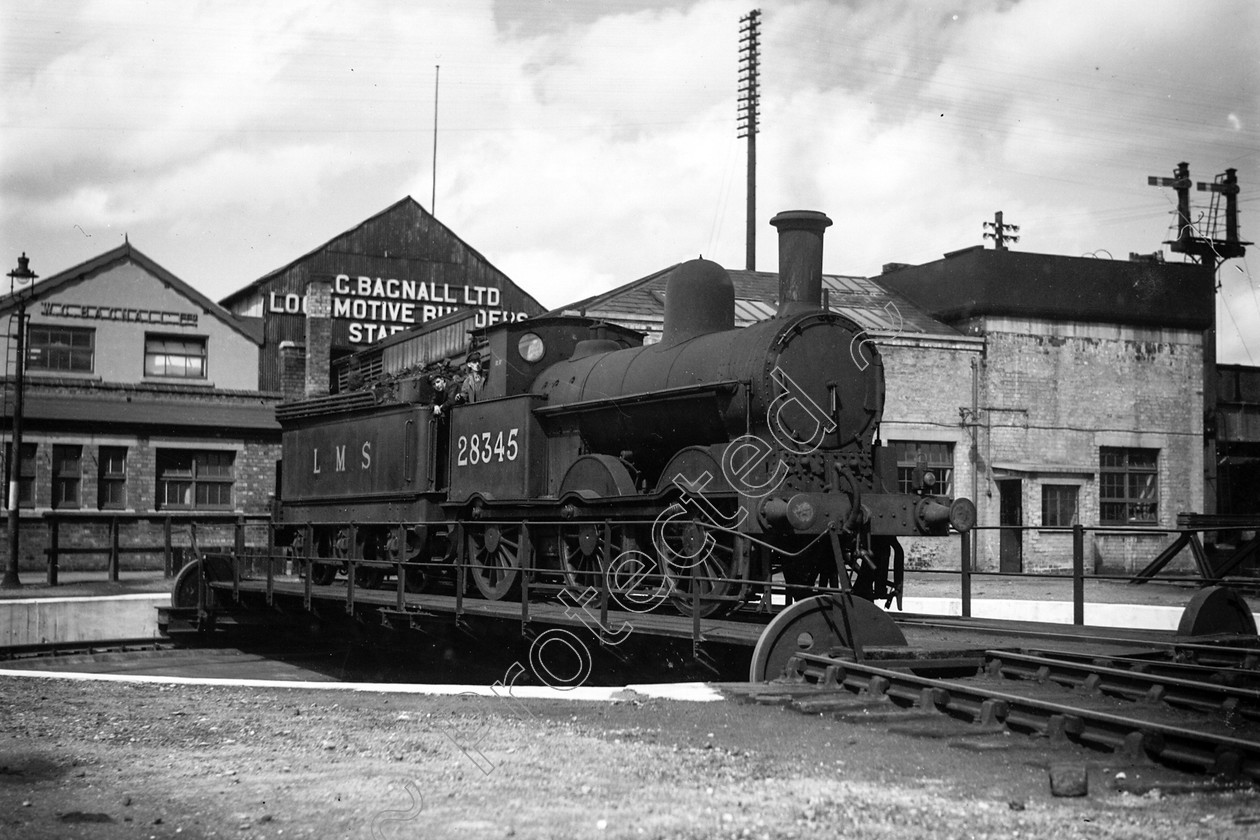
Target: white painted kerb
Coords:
[[37, 621]]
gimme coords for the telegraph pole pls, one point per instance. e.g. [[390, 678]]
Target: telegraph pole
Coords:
[[1000, 235], [749, 100], [437, 75]]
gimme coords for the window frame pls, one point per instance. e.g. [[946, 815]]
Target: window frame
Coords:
[[1120, 485], [40, 354], [940, 455], [107, 479], [1059, 490], [67, 475], [25, 478], [208, 471], [162, 358]]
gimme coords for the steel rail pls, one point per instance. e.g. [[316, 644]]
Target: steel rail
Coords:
[[1094, 677], [1209, 752], [10, 653], [1246, 657], [1237, 677]]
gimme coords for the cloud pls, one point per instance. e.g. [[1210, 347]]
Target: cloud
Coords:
[[581, 146]]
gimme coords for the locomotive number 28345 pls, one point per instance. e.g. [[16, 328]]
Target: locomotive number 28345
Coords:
[[487, 447]]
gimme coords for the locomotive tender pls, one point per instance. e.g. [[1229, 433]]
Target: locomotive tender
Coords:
[[713, 459]]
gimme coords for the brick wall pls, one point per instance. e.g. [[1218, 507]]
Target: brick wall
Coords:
[[319, 330], [292, 371], [254, 472], [1053, 394], [926, 381]]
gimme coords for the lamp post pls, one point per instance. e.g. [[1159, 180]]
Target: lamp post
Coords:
[[13, 465]]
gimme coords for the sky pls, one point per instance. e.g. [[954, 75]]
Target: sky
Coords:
[[581, 144]]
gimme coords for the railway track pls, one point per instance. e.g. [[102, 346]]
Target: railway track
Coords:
[[55, 650], [1189, 717]]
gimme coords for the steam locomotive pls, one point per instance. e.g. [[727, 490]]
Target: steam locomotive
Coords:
[[701, 466]]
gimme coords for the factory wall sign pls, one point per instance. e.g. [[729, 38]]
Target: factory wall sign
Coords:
[[93, 312], [378, 307]]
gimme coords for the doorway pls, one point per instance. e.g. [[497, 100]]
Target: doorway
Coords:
[[1011, 513]]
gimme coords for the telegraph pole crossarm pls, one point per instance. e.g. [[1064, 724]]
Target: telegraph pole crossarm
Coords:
[[749, 101], [1002, 232]]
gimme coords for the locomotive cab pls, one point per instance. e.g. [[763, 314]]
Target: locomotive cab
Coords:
[[514, 354]]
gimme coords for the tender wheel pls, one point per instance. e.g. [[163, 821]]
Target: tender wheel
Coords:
[[816, 625], [366, 577], [370, 547], [410, 547], [692, 554], [417, 581], [494, 559], [323, 574]]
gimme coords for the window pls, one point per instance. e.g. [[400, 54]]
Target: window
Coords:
[[938, 459], [194, 480], [1058, 505], [111, 478], [1128, 490], [26, 475], [175, 356], [67, 474], [61, 348]]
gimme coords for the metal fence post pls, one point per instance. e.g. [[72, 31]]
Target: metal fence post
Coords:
[[400, 584], [695, 609], [966, 574], [52, 550], [606, 561], [168, 559], [113, 550], [1078, 574], [525, 562], [271, 573], [238, 542], [351, 540], [461, 548]]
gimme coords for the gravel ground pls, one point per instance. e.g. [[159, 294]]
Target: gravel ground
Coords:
[[116, 760]]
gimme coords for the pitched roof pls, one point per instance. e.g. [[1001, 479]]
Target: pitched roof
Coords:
[[863, 300], [129, 253], [403, 202]]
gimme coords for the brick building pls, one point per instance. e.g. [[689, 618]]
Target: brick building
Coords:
[[1088, 401], [1237, 427], [141, 404]]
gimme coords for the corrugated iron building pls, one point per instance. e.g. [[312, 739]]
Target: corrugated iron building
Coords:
[[1089, 399], [398, 269]]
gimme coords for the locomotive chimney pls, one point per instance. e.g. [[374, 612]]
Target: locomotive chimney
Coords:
[[800, 260]]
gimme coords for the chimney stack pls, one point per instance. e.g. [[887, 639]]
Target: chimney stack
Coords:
[[318, 337], [292, 371], [800, 260]]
